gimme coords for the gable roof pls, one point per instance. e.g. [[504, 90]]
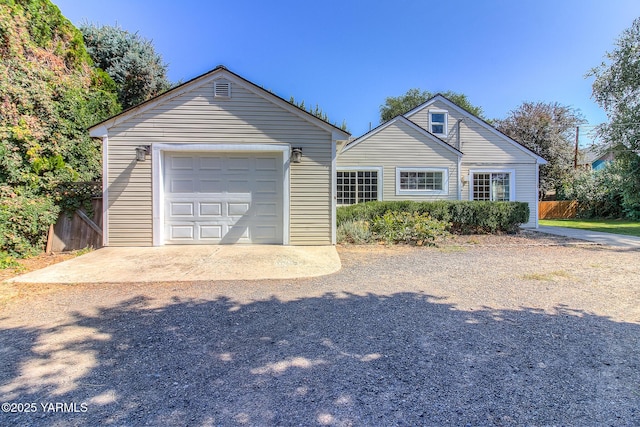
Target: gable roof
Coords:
[[99, 129], [408, 122], [475, 119]]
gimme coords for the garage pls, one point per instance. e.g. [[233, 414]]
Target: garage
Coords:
[[223, 198], [210, 162]]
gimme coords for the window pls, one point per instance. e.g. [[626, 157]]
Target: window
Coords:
[[492, 186], [438, 123], [356, 186], [421, 181]]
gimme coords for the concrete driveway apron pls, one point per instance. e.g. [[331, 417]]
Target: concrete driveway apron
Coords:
[[190, 263]]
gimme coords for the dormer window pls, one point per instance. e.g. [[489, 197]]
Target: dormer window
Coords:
[[438, 122]]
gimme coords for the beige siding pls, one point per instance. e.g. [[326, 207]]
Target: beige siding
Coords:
[[129, 197], [400, 145], [478, 143], [195, 116], [484, 149]]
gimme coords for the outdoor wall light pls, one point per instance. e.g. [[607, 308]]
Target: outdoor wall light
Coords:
[[464, 180], [296, 155], [142, 152]]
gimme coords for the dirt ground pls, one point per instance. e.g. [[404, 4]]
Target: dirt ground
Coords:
[[11, 291], [35, 263]]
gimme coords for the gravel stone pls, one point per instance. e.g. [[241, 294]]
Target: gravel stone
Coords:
[[482, 331]]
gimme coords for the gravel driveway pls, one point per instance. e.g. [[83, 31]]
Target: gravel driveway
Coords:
[[462, 335]]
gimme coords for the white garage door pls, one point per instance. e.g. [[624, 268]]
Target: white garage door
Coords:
[[216, 198]]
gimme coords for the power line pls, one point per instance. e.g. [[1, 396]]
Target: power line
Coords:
[[613, 124]]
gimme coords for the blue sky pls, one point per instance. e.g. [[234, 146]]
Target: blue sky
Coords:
[[348, 56]]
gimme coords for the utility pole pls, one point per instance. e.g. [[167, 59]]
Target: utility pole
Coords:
[[575, 157]]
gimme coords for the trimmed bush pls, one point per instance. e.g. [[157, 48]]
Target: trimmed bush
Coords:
[[410, 228], [466, 217], [356, 232]]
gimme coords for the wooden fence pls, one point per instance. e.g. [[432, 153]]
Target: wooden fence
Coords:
[[78, 231], [558, 209]]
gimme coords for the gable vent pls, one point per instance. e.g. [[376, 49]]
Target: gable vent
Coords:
[[222, 90]]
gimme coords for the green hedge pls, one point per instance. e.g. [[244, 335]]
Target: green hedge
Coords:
[[466, 217]]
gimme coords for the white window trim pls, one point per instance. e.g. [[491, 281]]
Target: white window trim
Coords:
[[512, 180], [446, 122], [378, 169], [445, 182]]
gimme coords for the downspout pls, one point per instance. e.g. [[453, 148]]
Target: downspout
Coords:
[[459, 177], [458, 141]]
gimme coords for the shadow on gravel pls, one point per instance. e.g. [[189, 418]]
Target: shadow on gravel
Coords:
[[404, 359]]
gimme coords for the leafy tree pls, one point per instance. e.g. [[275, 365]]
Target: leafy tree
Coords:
[[131, 61], [49, 94], [617, 90], [597, 192], [317, 111], [395, 106], [547, 129]]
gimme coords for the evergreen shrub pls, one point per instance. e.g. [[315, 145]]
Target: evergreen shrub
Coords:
[[465, 217]]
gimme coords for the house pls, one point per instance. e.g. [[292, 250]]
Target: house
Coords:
[[597, 158], [218, 160], [438, 151]]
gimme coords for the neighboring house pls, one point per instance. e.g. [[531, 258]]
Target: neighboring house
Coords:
[[596, 158], [438, 151], [214, 161]]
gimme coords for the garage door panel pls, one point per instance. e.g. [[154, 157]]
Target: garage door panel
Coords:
[[238, 209], [269, 186], [208, 232], [184, 163], [178, 209], [223, 198], [264, 233], [181, 232], [182, 186], [239, 185], [209, 185], [239, 164], [266, 164], [266, 209], [237, 232], [210, 209], [210, 163]]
